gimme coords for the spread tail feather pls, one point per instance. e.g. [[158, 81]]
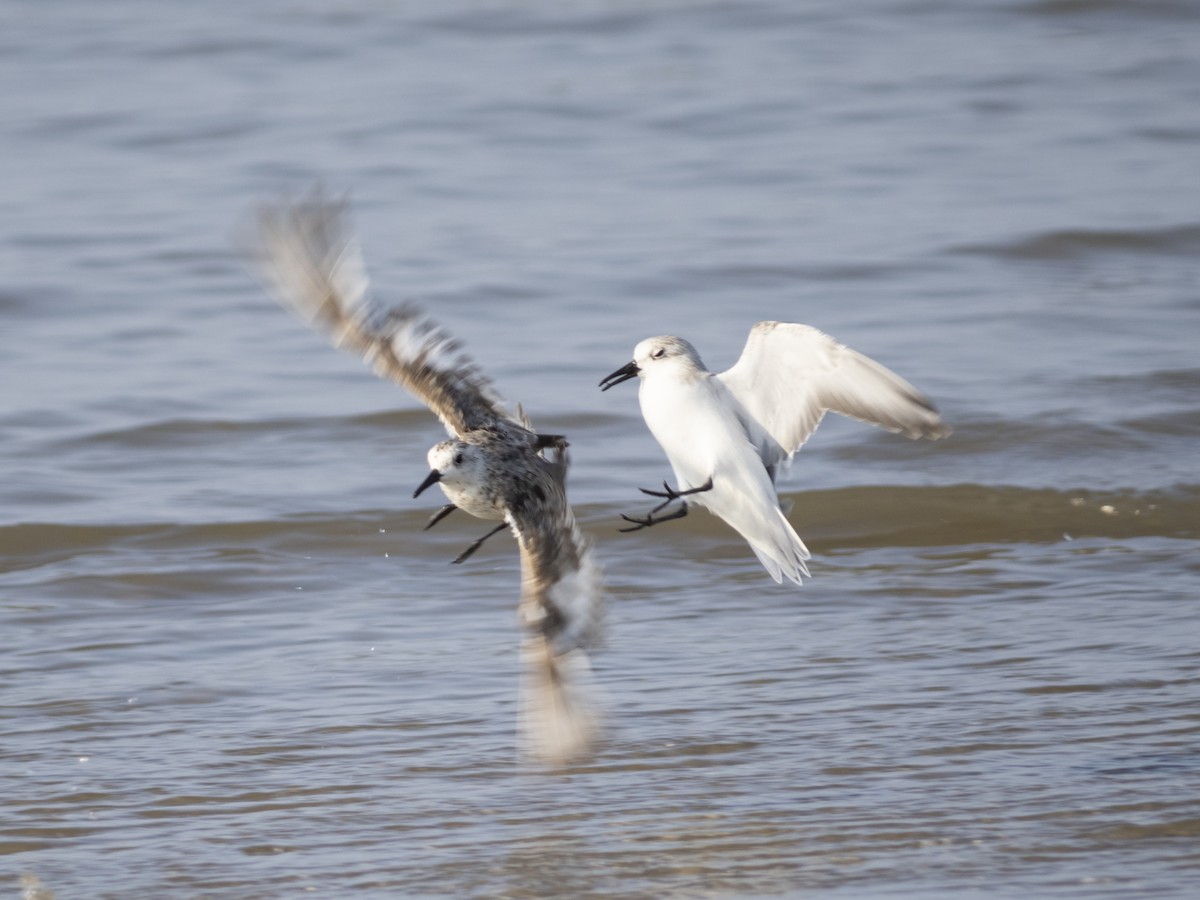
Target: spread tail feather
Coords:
[[780, 551]]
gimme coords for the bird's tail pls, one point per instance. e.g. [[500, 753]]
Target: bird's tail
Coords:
[[745, 498], [778, 547]]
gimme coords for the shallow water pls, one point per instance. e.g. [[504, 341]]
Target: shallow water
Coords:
[[237, 667]]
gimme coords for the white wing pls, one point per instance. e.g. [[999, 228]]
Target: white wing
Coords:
[[789, 375]]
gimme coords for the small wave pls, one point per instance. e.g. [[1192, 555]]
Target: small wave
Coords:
[[521, 24], [210, 47], [29, 545], [843, 518], [1051, 436], [1166, 425], [32, 544], [167, 433], [1073, 244], [1145, 9], [973, 514], [960, 515], [1169, 134], [696, 279], [1168, 384]]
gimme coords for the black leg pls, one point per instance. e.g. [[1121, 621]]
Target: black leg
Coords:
[[439, 515], [671, 494], [639, 524], [479, 543]]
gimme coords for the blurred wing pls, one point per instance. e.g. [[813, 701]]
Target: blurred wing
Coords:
[[314, 267], [561, 611], [788, 376]]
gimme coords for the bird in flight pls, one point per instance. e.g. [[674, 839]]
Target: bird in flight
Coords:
[[726, 435], [494, 464]]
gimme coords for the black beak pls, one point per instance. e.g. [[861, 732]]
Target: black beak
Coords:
[[432, 478], [630, 370]]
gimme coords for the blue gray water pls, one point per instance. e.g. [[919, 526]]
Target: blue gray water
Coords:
[[235, 666]]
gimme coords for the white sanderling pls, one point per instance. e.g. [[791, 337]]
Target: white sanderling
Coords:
[[727, 435], [495, 466]]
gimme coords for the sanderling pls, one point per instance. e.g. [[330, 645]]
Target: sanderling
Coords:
[[494, 466], [727, 435]]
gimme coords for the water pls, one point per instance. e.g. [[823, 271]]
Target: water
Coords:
[[235, 665]]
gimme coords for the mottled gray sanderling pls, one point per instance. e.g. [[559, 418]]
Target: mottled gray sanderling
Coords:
[[494, 466], [727, 435]]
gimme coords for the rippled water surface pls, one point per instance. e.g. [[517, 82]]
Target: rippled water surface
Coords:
[[236, 666]]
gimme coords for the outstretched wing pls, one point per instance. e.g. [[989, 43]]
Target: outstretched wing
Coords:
[[313, 265], [788, 376], [561, 611]]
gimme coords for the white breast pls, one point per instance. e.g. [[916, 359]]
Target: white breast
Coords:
[[696, 422]]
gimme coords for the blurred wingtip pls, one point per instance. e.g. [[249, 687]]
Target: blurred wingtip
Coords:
[[560, 715], [33, 889]]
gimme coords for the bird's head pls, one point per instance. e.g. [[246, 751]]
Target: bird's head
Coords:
[[657, 354], [453, 464]]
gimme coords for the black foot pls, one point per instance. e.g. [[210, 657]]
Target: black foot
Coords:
[[671, 494], [439, 515], [479, 543], [639, 524]]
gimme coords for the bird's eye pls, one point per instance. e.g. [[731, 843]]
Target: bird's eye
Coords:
[[659, 353], [458, 459]]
